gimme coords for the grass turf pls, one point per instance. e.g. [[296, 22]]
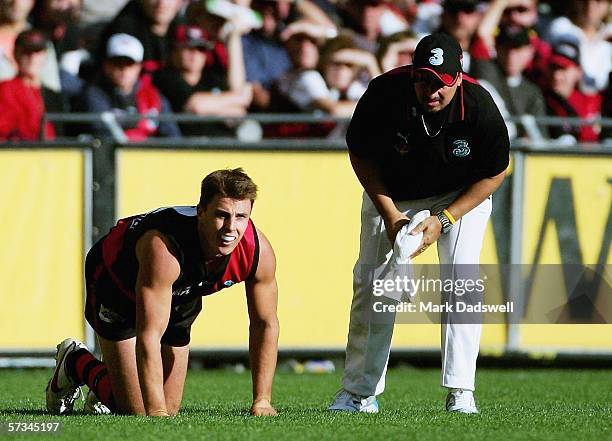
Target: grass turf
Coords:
[[514, 405]]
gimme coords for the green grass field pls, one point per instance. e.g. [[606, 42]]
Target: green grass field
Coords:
[[538, 405]]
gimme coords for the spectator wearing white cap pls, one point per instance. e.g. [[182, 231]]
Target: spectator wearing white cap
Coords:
[[121, 90]]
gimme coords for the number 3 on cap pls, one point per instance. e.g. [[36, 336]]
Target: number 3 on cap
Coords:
[[437, 57]]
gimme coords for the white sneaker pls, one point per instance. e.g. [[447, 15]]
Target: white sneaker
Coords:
[[461, 400], [93, 406], [349, 402], [61, 391]]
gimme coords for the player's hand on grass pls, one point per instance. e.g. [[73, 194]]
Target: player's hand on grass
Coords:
[[394, 224], [262, 407], [431, 229]]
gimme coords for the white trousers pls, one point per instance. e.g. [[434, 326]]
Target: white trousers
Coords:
[[369, 342]]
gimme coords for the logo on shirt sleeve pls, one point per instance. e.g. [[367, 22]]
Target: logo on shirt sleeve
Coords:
[[461, 148]]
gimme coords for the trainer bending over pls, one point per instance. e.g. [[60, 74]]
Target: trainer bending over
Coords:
[[423, 137]]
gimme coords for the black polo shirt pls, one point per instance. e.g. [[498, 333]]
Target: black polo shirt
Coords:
[[387, 127]]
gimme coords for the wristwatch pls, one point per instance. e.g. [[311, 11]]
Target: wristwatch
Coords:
[[446, 223]]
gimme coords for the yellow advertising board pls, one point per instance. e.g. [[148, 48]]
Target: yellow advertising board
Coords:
[[41, 257], [309, 207], [567, 220]]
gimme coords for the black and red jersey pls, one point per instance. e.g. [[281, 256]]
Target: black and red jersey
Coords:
[[179, 225]]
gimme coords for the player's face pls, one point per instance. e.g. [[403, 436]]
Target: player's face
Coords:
[[432, 94], [221, 224]]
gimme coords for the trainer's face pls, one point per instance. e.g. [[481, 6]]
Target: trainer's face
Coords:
[[221, 224], [433, 95]]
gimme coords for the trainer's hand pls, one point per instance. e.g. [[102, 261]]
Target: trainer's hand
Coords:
[[431, 229], [394, 224], [262, 407]]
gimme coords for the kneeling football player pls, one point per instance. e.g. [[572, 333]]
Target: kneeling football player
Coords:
[[145, 282]]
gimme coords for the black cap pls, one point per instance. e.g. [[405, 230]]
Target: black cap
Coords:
[[31, 41], [565, 53], [441, 55], [513, 36]]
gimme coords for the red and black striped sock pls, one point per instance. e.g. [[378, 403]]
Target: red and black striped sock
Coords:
[[83, 368]]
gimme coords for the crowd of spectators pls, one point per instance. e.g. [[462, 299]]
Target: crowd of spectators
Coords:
[[136, 59]]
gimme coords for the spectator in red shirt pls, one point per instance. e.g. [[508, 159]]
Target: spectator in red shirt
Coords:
[[22, 99], [565, 99]]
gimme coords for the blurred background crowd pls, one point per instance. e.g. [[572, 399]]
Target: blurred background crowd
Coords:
[[232, 58]]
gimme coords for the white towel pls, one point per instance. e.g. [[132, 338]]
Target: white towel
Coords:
[[399, 264]]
